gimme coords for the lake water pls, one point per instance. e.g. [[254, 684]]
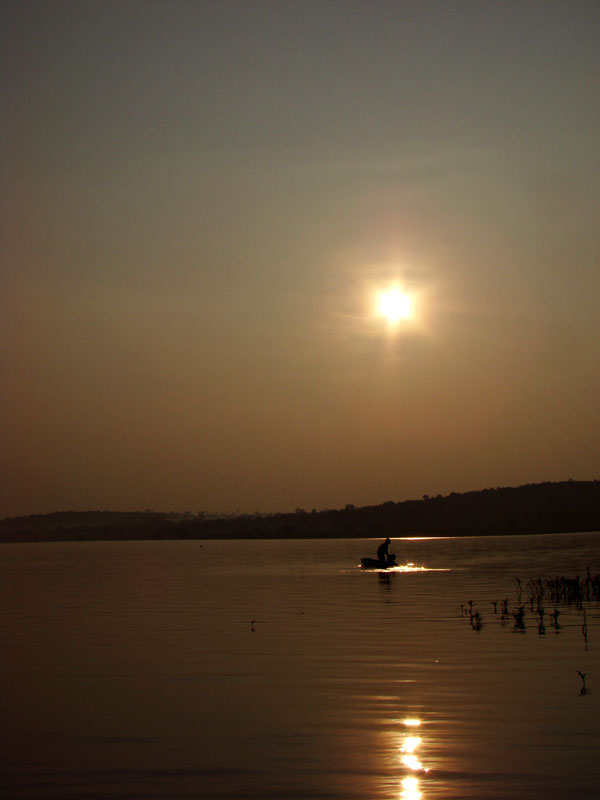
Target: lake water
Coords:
[[282, 670]]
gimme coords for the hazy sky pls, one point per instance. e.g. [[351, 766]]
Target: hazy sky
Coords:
[[200, 202]]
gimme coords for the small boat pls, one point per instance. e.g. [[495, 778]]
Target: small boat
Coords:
[[375, 563]]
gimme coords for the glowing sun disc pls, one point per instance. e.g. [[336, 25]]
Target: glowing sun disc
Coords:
[[394, 305]]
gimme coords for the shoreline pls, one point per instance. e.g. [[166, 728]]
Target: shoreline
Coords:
[[79, 537]]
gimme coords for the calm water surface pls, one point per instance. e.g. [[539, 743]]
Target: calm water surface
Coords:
[[282, 670]]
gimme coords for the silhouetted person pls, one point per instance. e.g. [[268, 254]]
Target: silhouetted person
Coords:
[[382, 552]]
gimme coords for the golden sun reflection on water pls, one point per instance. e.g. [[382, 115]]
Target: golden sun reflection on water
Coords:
[[410, 789], [409, 760], [410, 567], [410, 744]]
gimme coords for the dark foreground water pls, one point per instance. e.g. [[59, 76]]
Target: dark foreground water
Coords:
[[282, 670]]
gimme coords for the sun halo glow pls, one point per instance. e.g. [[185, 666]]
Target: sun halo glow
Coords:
[[394, 305]]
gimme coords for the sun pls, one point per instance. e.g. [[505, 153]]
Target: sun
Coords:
[[394, 305]]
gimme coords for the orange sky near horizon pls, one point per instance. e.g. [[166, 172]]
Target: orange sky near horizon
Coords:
[[201, 203]]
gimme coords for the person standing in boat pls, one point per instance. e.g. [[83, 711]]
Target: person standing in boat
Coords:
[[383, 555]]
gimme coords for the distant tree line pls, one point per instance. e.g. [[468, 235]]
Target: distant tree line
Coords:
[[568, 506]]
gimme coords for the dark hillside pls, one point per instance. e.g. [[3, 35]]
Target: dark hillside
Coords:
[[569, 506]]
